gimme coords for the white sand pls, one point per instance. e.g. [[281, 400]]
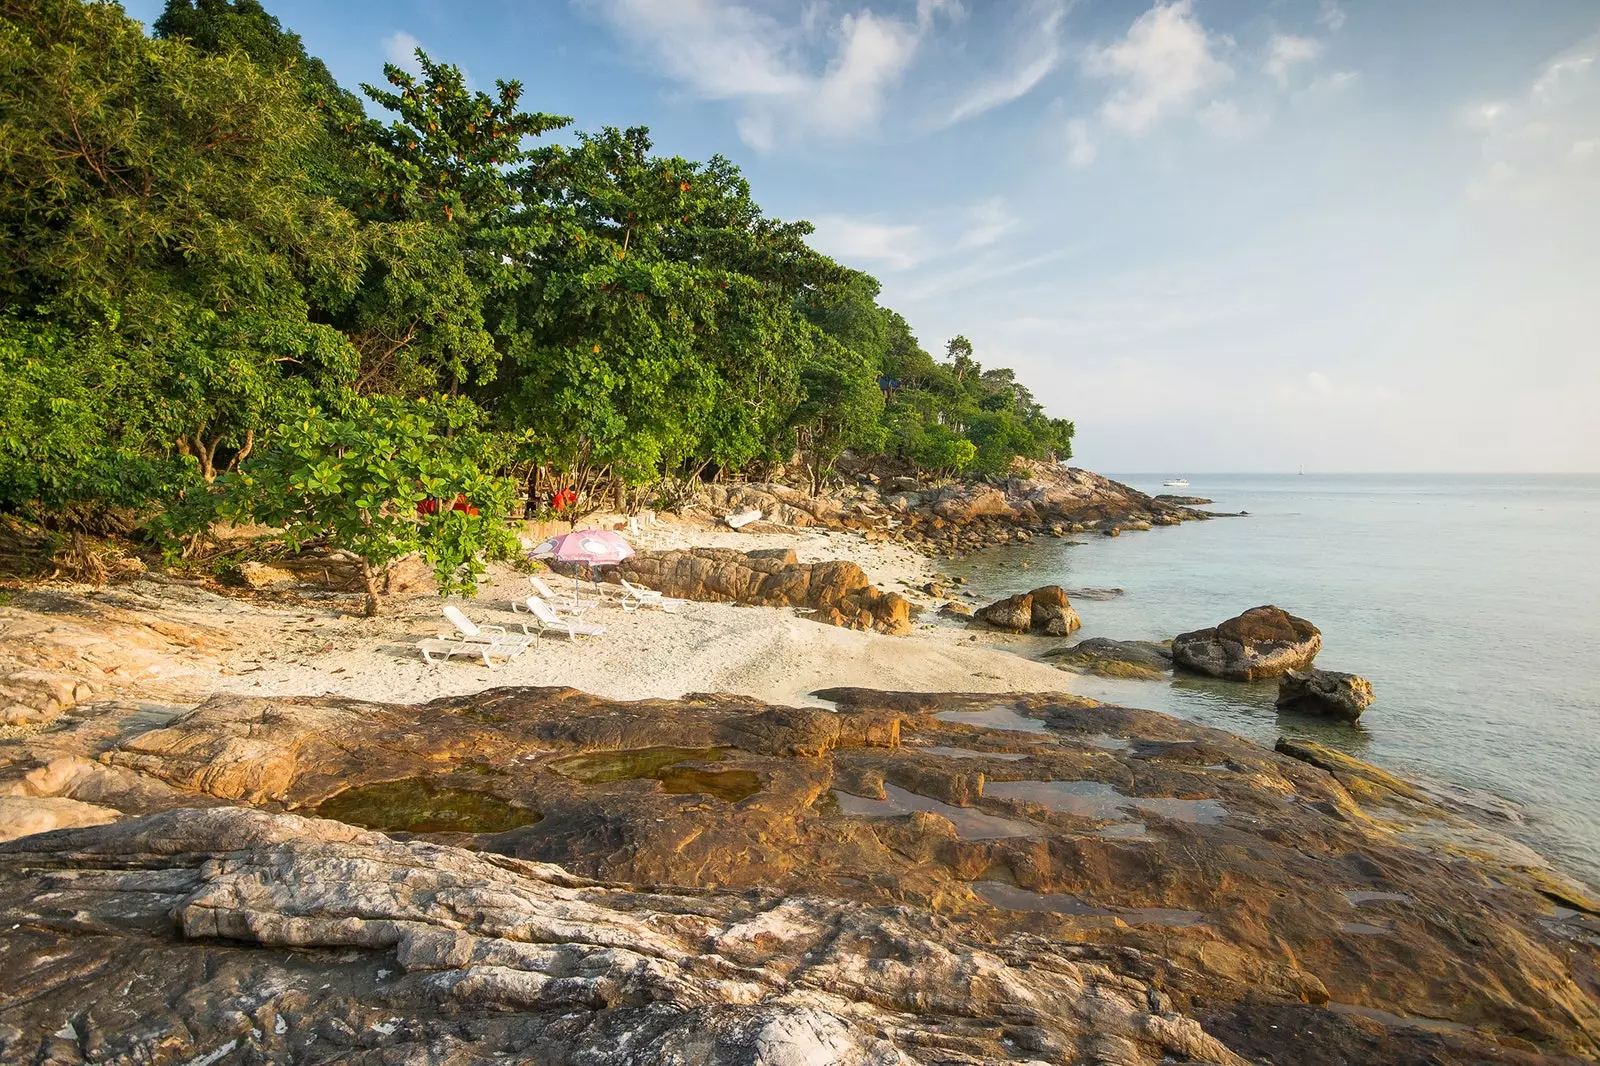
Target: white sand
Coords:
[[771, 654]]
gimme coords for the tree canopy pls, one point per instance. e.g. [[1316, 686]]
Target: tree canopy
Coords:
[[207, 238]]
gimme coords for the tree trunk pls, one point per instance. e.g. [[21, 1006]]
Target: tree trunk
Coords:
[[371, 580]]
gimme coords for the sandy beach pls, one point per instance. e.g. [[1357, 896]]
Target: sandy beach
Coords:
[[769, 654]]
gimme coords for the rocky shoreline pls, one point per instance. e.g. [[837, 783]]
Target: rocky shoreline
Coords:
[[908, 877], [329, 858]]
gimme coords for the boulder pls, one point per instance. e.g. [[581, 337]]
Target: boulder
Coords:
[[1052, 611], [838, 592], [1014, 613], [1044, 610], [411, 576], [1262, 642], [981, 502], [1141, 659], [1342, 696]]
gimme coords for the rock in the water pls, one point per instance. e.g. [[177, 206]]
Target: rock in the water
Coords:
[[1014, 613], [1141, 659], [839, 592], [1327, 692], [1260, 643], [1044, 610], [955, 609], [1052, 611]]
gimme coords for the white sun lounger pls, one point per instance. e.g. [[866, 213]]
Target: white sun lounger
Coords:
[[544, 592], [635, 597], [545, 617], [437, 650], [472, 633]]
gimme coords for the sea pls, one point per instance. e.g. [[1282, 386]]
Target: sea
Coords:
[[1471, 602]]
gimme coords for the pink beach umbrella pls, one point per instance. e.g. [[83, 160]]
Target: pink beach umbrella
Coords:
[[588, 547]]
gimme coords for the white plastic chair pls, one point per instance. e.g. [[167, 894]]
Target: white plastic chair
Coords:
[[549, 596], [444, 647], [472, 633], [545, 617], [635, 597]]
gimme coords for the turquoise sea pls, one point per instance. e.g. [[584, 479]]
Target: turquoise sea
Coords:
[[1471, 602]]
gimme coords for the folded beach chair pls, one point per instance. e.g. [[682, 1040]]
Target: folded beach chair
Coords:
[[547, 621], [558, 604], [634, 597]]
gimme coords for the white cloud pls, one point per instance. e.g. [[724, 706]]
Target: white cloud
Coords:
[[1227, 120], [1331, 15], [1537, 144], [1041, 56], [1162, 67], [400, 49], [987, 223], [1284, 51], [894, 247], [1317, 389], [1081, 149], [814, 74], [1329, 84]]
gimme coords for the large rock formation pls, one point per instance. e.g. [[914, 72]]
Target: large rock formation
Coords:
[[910, 877], [1342, 696], [1262, 642], [1044, 610], [838, 592]]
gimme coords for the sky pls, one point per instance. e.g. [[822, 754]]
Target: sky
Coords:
[[1220, 235]]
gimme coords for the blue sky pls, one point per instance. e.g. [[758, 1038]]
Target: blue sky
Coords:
[[1220, 235]]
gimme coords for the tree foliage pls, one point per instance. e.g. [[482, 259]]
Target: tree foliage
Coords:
[[207, 237]]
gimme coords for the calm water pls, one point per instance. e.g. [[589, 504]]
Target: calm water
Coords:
[[1472, 603]]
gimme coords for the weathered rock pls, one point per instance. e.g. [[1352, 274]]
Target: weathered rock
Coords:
[[22, 816], [838, 592], [1044, 610], [952, 891], [1328, 692], [253, 575], [971, 503], [955, 609], [1142, 659], [1052, 612], [1262, 642], [1014, 613], [1184, 501]]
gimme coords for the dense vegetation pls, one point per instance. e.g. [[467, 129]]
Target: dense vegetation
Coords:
[[221, 273]]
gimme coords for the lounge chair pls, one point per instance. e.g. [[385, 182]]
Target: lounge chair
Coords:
[[471, 633], [444, 647], [547, 621], [544, 592], [635, 597]]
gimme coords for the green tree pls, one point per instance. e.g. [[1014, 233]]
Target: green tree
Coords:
[[378, 481], [842, 409]]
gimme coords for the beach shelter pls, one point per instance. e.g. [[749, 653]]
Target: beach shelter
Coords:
[[584, 547]]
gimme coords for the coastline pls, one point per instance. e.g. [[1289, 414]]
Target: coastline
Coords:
[[941, 774]]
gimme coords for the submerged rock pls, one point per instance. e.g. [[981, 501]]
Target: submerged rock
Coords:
[[1262, 642], [1328, 692], [1142, 659]]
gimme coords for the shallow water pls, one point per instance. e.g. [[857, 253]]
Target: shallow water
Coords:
[[417, 805], [1101, 801], [1472, 603]]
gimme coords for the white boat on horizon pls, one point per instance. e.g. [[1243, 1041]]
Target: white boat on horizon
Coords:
[[1175, 483]]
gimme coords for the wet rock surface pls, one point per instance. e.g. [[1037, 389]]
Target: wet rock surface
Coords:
[[1325, 692], [1142, 659], [1263, 642], [905, 877], [838, 592]]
